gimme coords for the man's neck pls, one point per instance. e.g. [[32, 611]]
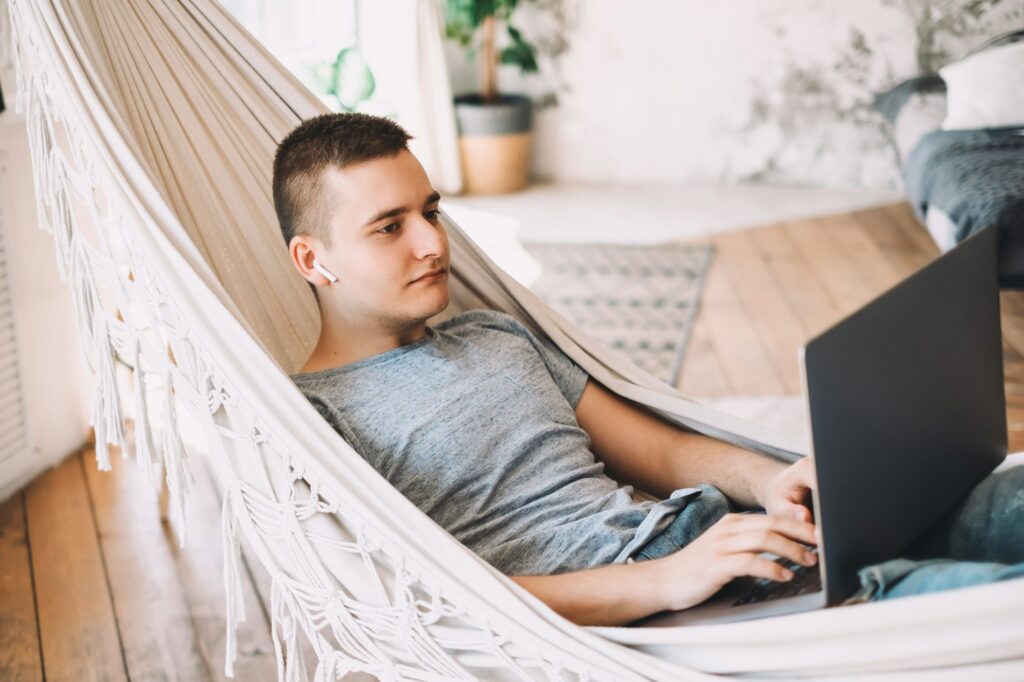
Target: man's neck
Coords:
[[342, 343]]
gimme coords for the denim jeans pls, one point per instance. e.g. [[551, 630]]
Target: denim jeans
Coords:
[[981, 540]]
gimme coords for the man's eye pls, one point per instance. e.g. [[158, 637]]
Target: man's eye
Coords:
[[433, 215], [389, 229]]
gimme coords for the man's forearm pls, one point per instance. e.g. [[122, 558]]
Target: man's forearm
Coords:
[[657, 456], [737, 472], [608, 595]]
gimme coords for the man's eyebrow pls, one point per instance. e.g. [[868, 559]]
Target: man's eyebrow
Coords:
[[392, 212]]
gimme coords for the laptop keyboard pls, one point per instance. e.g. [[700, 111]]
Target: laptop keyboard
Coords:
[[806, 580]]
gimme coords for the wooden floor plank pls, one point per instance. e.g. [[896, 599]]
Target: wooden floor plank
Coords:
[[200, 570], [799, 283], [885, 229], [1011, 304], [77, 627], [765, 305], [836, 274], [19, 634], [702, 373], [896, 245], [877, 273], [903, 216], [158, 636], [744, 361]]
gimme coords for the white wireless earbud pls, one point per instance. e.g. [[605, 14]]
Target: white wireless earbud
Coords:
[[324, 271]]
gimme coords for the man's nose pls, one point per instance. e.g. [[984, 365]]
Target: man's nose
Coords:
[[428, 238]]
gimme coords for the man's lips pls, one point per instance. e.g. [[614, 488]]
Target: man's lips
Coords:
[[431, 276]]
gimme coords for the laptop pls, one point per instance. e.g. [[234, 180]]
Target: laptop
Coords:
[[907, 414]]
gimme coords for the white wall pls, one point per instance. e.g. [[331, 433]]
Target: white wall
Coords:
[[671, 91], [53, 379]]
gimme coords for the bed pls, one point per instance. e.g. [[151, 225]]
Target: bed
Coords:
[[960, 139]]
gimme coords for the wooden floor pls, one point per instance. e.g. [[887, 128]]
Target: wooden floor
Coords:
[[772, 288], [93, 587]]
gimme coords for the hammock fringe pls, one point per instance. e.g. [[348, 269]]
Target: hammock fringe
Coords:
[[232, 580], [175, 462]]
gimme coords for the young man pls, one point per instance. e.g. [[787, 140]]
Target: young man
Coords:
[[490, 429]]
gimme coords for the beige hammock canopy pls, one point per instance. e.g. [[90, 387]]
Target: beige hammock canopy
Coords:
[[153, 124]]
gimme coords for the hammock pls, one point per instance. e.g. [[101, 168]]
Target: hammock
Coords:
[[153, 124]]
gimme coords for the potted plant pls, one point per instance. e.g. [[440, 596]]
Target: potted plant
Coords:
[[494, 128]]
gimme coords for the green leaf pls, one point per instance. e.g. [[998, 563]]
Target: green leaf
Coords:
[[520, 52], [353, 80]]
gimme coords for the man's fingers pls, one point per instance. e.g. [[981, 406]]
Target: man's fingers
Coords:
[[758, 567], [806, 471], [764, 540], [789, 526], [796, 511]]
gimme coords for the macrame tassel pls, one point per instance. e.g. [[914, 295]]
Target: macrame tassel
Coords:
[[277, 617], [37, 124], [174, 461], [290, 666], [84, 298], [106, 405], [60, 220], [145, 452], [232, 581], [22, 83]]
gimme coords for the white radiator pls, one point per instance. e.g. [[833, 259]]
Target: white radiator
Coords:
[[13, 435]]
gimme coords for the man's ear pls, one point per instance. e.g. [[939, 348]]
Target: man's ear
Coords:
[[303, 249]]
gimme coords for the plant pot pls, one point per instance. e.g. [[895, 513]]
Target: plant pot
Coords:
[[494, 142]]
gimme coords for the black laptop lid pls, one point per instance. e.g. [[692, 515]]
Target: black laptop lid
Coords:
[[907, 409]]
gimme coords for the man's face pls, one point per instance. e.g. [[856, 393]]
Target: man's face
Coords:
[[386, 236]]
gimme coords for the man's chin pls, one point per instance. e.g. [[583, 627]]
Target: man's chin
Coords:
[[441, 307]]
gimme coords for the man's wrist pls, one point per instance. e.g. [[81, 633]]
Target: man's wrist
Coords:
[[764, 482], [654, 578], [762, 488]]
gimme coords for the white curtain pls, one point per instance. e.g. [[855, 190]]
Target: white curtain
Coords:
[[403, 42]]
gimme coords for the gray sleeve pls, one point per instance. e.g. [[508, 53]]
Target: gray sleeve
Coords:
[[570, 377]]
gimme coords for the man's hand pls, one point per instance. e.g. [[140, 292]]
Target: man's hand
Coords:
[[731, 549], [785, 493]]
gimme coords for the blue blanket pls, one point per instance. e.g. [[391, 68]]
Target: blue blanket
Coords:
[[974, 176]]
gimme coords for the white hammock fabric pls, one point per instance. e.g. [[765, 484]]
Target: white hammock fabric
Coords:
[[153, 125]]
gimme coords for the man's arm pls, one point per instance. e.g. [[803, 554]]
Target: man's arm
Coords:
[[607, 595], [621, 593], [658, 457]]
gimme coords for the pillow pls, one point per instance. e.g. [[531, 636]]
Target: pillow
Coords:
[[913, 108], [986, 90]]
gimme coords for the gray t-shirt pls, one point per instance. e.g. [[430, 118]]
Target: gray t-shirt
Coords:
[[476, 425]]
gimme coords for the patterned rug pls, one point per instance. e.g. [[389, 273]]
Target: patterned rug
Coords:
[[640, 300]]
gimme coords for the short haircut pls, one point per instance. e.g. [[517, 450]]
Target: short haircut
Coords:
[[317, 144]]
